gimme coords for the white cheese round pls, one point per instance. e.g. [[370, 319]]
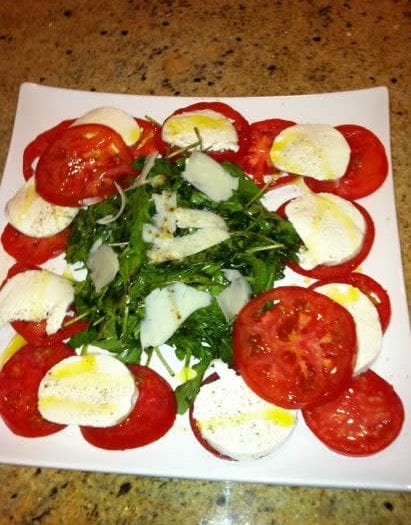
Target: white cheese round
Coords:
[[314, 150], [331, 228], [32, 215], [239, 424], [367, 321], [117, 119], [216, 131], [94, 390]]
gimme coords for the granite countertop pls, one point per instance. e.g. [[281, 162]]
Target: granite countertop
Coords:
[[219, 48]]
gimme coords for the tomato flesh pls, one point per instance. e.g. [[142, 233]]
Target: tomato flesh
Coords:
[[256, 160], [150, 139], [153, 415], [369, 287], [34, 249], [294, 347], [20, 378], [366, 171], [364, 419], [82, 164]]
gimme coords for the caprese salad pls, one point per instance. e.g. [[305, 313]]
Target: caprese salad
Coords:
[[167, 249]]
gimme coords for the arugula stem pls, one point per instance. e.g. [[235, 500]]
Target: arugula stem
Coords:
[[260, 193], [274, 246], [163, 361]]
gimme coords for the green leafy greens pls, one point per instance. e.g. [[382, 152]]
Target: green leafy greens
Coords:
[[259, 244]]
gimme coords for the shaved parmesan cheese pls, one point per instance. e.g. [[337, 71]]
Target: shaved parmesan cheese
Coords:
[[36, 295], [32, 215], [166, 309], [92, 390], [103, 265], [209, 177], [165, 203], [191, 218], [174, 248], [235, 296]]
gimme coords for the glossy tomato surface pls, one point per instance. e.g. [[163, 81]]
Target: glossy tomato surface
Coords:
[[294, 347], [367, 169], [38, 146], [256, 160], [20, 378], [150, 139], [328, 271], [34, 249], [364, 419], [81, 164], [153, 415], [239, 122], [369, 287]]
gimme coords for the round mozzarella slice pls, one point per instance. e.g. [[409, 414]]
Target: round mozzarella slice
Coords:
[[216, 131], [314, 150], [237, 423], [35, 295], [117, 119], [32, 215], [92, 390], [367, 322], [331, 228]]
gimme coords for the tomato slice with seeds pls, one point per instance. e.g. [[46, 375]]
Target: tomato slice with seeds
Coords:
[[367, 169], [150, 139], [153, 415], [369, 287], [240, 124], [294, 347], [256, 160], [20, 378], [326, 271], [35, 149], [362, 420], [34, 249], [81, 165]]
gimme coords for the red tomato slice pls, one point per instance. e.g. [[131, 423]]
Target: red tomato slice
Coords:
[[256, 160], [150, 139], [38, 146], [153, 415], [294, 347], [81, 164], [367, 170], [239, 122], [35, 333], [196, 429], [20, 378], [34, 249], [364, 419], [373, 290], [325, 271]]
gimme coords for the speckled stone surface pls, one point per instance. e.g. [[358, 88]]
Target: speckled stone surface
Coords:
[[219, 48]]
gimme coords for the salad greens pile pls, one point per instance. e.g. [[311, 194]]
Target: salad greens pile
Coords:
[[259, 244]]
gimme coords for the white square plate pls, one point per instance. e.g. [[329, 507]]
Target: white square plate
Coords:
[[303, 460]]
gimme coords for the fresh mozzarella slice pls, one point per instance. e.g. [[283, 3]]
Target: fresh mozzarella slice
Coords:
[[331, 228], [103, 265], [117, 119], [175, 248], [36, 295], [315, 150], [209, 177], [215, 130], [32, 215], [166, 309], [235, 296], [237, 423], [367, 322], [91, 390]]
